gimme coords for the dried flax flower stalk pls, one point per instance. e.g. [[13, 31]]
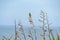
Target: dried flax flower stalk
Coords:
[[16, 32], [30, 34], [22, 30], [48, 25], [32, 24], [42, 20], [30, 19]]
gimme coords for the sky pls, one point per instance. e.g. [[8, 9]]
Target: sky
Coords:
[[19, 10]]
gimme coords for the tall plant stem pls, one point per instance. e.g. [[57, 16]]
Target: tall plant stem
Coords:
[[43, 28], [48, 27], [15, 30]]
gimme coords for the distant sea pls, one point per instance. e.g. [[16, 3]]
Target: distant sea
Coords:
[[8, 30]]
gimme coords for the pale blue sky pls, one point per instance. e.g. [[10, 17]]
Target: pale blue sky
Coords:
[[19, 9]]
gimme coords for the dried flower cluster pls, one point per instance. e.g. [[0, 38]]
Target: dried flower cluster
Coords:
[[32, 31]]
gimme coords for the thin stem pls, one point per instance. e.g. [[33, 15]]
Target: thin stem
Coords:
[[48, 26], [31, 35], [43, 27], [35, 34], [15, 30]]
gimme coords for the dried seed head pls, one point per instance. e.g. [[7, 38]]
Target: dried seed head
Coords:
[[30, 15], [30, 19], [17, 35], [42, 13], [40, 20], [29, 35], [45, 30], [41, 35], [22, 33], [19, 24]]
